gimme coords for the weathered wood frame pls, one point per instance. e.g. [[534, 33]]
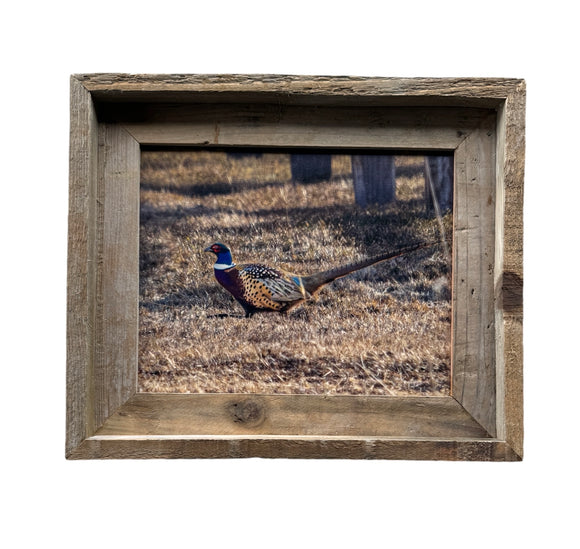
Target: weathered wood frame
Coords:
[[480, 120]]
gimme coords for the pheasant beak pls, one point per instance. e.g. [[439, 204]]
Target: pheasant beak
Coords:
[[208, 249]]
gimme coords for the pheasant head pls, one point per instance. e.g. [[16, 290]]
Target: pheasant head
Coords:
[[223, 255]]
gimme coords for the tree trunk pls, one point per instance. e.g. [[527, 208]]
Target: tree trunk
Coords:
[[374, 179], [438, 183], [310, 168]]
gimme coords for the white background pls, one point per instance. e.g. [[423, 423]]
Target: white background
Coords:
[[280, 503]]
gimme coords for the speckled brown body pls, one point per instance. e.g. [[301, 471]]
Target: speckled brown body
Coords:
[[254, 285]]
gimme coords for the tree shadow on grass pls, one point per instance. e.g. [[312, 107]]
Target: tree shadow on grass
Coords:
[[201, 190], [204, 296], [365, 226], [373, 230]]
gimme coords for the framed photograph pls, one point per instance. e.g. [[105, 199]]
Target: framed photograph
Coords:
[[293, 266]]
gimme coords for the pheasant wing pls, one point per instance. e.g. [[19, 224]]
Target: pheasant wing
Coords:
[[283, 289], [280, 285]]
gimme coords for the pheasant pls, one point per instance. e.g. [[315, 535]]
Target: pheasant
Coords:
[[260, 288]]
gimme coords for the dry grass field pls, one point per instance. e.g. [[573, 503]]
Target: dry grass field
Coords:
[[384, 330]]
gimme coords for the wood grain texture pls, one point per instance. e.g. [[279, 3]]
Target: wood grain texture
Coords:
[[313, 415], [293, 447], [81, 272], [304, 90], [473, 382], [482, 120], [296, 126], [117, 261], [509, 287]]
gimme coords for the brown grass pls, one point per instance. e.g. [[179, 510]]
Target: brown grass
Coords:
[[383, 330]]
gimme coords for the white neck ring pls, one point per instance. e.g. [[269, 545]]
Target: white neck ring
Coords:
[[222, 266]]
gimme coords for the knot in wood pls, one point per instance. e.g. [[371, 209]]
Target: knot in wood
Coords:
[[248, 412]]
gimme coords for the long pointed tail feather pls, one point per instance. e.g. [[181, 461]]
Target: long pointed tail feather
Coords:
[[314, 282]]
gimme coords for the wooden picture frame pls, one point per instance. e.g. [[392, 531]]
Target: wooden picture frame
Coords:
[[481, 120]]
